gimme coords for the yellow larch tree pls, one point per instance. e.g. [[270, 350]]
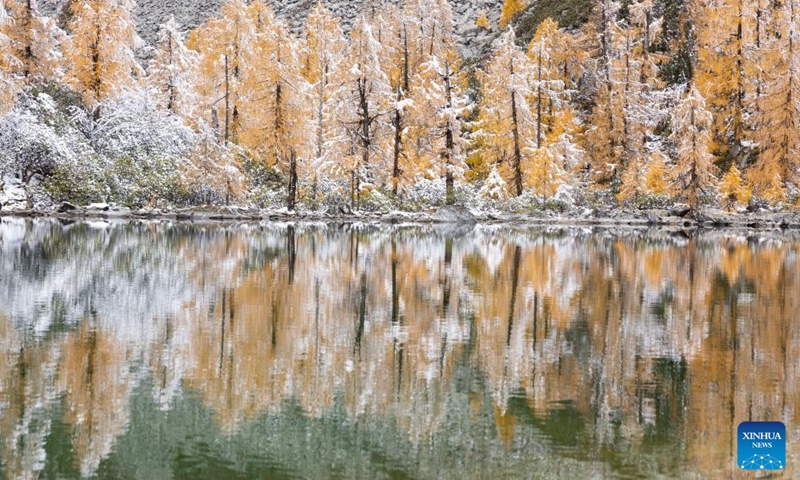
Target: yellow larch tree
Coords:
[[277, 123], [510, 10], [604, 135], [655, 179], [506, 124], [436, 116], [100, 50], [8, 63], [35, 40], [719, 69], [553, 147], [398, 37], [778, 117], [323, 70], [733, 188], [368, 94], [220, 43], [170, 69], [694, 171], [483, 22], [409, 36]]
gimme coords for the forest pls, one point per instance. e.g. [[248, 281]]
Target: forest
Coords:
[[644, 104]]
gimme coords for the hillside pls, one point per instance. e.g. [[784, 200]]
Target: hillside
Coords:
[[191, 13]]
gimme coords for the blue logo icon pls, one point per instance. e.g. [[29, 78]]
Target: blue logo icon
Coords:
[[762, 445]]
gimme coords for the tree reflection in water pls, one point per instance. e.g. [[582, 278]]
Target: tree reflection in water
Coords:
[[159, 350]]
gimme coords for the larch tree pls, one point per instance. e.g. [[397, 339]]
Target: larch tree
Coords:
[[367, 98], [322, 68], [169, 72], [509, 11], [506, 123], [603, 137], [100, 50], [277, 124], [694, 171], [398, 40], [408, 36], [734, 189], [8, 63], [36, 41], [441, 104], [719, 69], [778, 117], [221, 42], [553, 146]]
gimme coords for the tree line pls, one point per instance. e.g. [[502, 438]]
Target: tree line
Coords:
[[695, 101]]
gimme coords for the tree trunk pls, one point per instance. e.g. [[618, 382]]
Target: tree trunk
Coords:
[[397, 123], [292, 180], [449, 147], [517, 160]]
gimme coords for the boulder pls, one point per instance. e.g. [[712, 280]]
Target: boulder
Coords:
[[454, 214], [66, 207], [680, 210]]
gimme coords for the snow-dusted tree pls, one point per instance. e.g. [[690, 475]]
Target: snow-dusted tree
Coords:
[[170, 69], [494, 187], [35, 40], [777, 120], [438, 117], [694, 171], [719, 70], [507, 125], [100, 50], [322, 69], [368, 91], [278, 122], [221, 43], [440, 105], [8, 62]]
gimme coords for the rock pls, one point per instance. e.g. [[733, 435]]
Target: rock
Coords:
[[66, 207], [98, 207], [454, 214], [680, 210]]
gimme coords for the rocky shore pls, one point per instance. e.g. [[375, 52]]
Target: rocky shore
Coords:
[[679, 217]]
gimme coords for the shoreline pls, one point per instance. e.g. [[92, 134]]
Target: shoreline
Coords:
[[711, 219]]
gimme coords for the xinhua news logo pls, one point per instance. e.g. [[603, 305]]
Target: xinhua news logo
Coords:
[[762, 446]]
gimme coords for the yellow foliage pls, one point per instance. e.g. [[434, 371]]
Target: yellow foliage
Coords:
[[767, 181], [100, 50], [632, 180], [510, 10], [544, 174], [655, 179], [733, 189], [483, 22]]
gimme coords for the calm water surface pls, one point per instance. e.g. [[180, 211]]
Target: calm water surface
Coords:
[[169, 351]]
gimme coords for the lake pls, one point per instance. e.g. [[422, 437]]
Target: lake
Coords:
[[160, 350]]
